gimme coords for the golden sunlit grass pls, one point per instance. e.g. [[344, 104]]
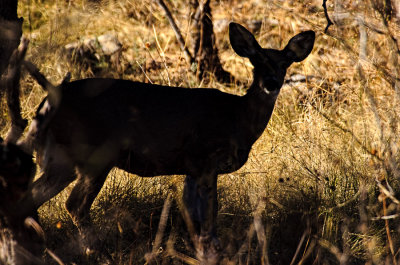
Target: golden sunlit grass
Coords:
[[313, 176]]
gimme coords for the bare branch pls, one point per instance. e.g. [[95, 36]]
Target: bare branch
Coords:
[[385, 16], [54, 92], [260, 231], [385, 191], [11, 82], [347, 131], [329, 21], [161, 228], [177, 31], [54, 256], [37, 128], [303, 237], [386, 75], [386, 217], [39, 77], [205, 49]]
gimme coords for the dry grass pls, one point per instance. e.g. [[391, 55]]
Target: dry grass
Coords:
[[318, 181]]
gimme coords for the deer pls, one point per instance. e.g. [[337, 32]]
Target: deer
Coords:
[[84, 128]]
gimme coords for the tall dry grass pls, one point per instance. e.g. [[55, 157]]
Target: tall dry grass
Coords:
[[321, 185]]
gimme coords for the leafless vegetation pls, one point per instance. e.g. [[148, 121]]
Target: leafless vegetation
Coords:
[[321, 185]]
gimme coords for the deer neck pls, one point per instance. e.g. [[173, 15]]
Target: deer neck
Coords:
[[258, 109]]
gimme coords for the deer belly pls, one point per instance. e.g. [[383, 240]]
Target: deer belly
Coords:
[[148, 163], [231, 161]]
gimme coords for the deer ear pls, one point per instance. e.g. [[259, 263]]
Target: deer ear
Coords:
[[300, 46], [242, 41]]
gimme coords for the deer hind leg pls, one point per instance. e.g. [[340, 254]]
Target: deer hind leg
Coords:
[[78, 206], [92, 175], [200, 199]]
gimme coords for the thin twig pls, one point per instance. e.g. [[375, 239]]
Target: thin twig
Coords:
[[27, 255], [54, 95], [373, 27], [162, 55], [184, 258], [385, 191], [345, 130], [53, 92], [162, 224], [260, 231], [385, 74], [388, 234], [144, 72], [386, 217], [160, 232], [177, 31], [386, 24], [171, 252], [303, 237], [39, 77], [310, 249], [329, 21], [245, 247], [393, 41], [54, 257], [340, 256], [344, 204]]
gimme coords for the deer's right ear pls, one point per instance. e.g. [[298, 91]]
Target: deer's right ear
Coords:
[[300, 46], [242, 41]]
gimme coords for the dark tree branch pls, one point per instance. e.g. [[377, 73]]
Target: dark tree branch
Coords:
[[38, 76], [10, 33], [11, 82], [386, 13], [329, 21], [54, 94], [195, 22], [206, 52], [177, 31]]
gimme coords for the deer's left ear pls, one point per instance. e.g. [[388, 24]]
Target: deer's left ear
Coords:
[[300, 46], [242, 41]]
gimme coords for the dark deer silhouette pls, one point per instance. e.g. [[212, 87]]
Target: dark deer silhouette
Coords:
[[89, 126]]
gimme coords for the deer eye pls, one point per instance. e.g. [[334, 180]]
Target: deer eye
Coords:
[[271, 83]]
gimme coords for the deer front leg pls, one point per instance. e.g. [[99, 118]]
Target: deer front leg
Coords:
[[200, 199], [55, 178]]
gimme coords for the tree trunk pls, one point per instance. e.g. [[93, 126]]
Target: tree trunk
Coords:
[[204, 50], [10, 34]]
